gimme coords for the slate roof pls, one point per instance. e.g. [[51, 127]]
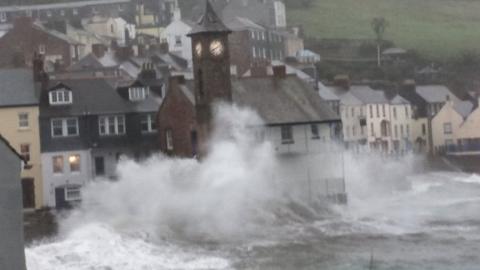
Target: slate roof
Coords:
[[57, 34], [367, 95], [434, 93], [349, 99], [464, 108], [209, 23], [327, 93], [17, 88], [96, 96], [398, 100], [279, 101], [241, 23]]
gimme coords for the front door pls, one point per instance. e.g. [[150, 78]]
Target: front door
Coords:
[[99, 166], [28, 190]]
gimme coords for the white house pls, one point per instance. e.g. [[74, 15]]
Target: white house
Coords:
[[175, 34], [373, 122], [113, 28]]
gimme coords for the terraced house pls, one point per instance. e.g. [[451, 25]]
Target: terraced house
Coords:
[[87, 125], [19, 115]]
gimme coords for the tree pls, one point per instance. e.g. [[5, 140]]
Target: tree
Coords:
[[379, 25]]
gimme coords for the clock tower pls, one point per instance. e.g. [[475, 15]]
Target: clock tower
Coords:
[[211, 68]]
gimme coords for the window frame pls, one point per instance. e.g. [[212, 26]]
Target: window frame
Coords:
[[169, 139], [138, 93], [116, 124], [21, 121], [62, 168], [25, 154], [447, 128], [60, 97], [76, 189], [77, 163], [150, 121], [64, 122], [286, 134], [315, 131]]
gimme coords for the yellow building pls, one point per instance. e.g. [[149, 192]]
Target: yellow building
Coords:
[[19, 114]]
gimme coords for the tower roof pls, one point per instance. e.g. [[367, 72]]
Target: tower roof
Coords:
[[209, 22]]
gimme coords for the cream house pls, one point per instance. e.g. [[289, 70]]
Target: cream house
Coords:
[[19, 113], [468, 135], [446, 125]]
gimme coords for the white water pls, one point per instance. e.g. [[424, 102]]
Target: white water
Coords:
[[229, 212]]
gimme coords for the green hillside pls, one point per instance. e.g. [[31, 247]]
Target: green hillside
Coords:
[[436, 28]]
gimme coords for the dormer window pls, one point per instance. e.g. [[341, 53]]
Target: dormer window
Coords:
[[138, 93], [60, 97]]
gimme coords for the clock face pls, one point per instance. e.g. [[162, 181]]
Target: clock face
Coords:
[[198, 49], [216, 48]]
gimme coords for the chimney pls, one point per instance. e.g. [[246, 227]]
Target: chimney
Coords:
[[164, 47], [279, 72], [38, 67], [409, 85], [99, 50], [342, 81], [175, 80]]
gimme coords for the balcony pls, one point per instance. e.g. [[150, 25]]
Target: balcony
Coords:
[[462, 150]]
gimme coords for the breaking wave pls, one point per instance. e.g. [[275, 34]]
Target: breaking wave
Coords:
[[171, 213]]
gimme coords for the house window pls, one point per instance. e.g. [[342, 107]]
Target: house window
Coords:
[[62, 12], [372, 129], [424, 129], [148, 124], [252, 34], [111, 125], [449, 143], [383, 110], [138, 93], [74, 161], [371, 111], [42, 49], [447, 128], [264, 53], [23, 122], [408, 130], [112, 28], [57, 162], [25, 151], [64, 127], [60, 97], [3, 17], [396, 131], [178, 41], [354, 131], [394, 112], [401, 131], [254, 52], [169, 139], [314, 130], [406, 111], [72, 193], [378, 111], [287, 134], [49, 13], [353, 112], [75, 11]]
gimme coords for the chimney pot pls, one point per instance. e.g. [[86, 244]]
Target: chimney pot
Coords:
[[279, 72], [342, 81]]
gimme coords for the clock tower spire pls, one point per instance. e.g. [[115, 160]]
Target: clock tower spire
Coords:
[[211, 67]]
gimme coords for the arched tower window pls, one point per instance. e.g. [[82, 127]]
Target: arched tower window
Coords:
[[200, 83]]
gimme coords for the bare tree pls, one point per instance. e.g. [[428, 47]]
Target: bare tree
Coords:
[[379, 25]]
